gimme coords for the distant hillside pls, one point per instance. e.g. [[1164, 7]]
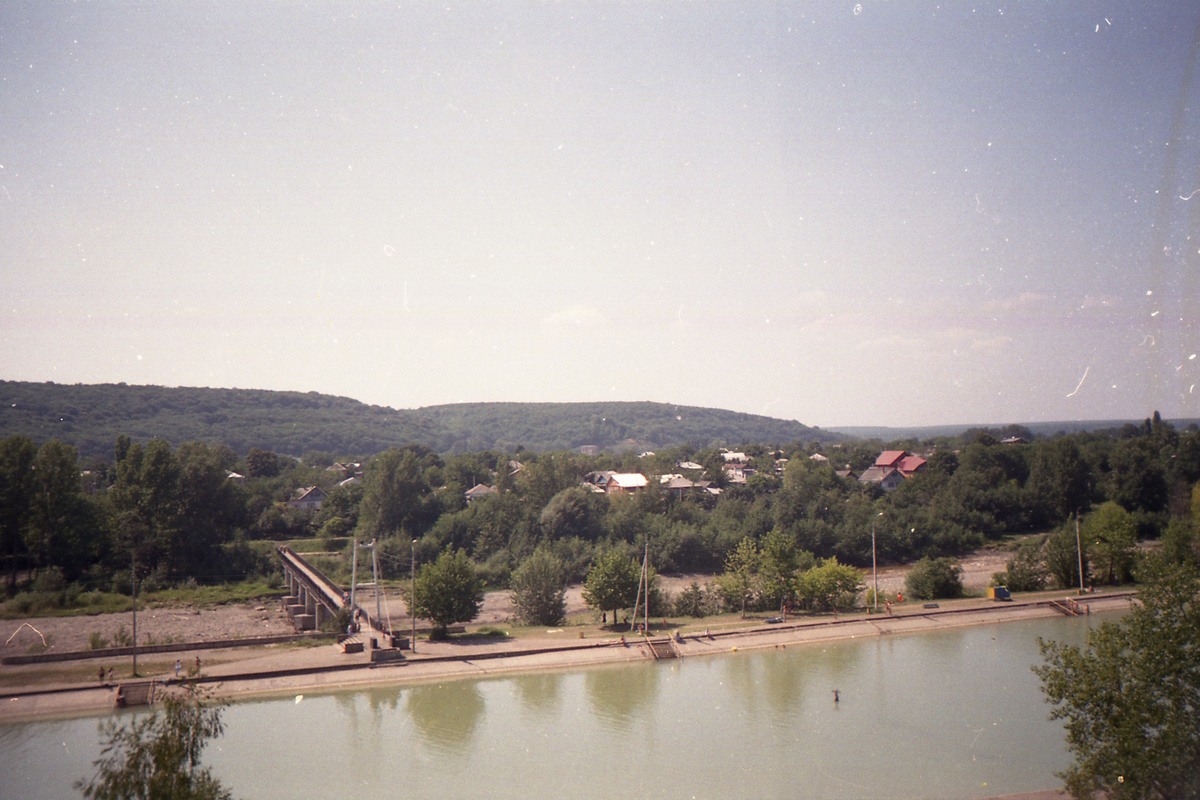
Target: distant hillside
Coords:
[[609, 426], [90, 417], [1047, 429]]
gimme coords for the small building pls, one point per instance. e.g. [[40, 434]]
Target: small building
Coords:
[[739, 473], [479, 490], [625, 483], [888, 478], [902, 461], [307, 498], [676, 485]]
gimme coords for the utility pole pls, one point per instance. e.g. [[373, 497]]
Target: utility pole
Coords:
[[1079, 551], [378, 588], [874, 571], [412, 597], [354, 578], [133, 586]]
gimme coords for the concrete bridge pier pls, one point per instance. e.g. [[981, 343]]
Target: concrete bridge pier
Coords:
[[312, 599]]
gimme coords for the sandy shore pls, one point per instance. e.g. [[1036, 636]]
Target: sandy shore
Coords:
[[72, 689]]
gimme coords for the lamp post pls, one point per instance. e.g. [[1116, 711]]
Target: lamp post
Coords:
[[412, 598], [874, 570]]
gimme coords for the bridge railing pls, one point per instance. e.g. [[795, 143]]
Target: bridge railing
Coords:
[[321, 583]]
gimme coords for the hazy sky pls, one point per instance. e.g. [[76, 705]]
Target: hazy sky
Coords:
[[842, 213]]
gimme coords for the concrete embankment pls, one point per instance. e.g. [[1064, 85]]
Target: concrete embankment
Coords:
[[327, 668]]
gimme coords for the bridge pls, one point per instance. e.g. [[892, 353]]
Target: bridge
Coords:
[[312, 598]]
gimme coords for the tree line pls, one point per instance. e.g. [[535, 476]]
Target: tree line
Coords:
[[175, 515]]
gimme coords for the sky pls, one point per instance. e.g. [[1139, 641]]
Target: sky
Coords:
[[842, 213]]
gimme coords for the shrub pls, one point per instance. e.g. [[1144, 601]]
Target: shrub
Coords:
[[696, 601], [49, 580], [932, 578], [96, 641], [122, 638], [1025, 571]]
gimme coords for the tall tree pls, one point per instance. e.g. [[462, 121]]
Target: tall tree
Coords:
[[539, 588], [612, 583], [210, 509], [1112, 537], [1130, 698], [17, 454], [1059, 481], [448, 591], [59, 516], [741, 568], [1136, 478], [143, 499], [394, 495]]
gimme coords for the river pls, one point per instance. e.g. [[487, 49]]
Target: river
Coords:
[[950, 714]]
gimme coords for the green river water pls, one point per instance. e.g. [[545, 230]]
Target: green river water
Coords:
[[947, 714]]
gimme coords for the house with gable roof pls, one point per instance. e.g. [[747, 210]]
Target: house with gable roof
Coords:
[[479, 490], [625, 483], [891, 468], [307, 498]]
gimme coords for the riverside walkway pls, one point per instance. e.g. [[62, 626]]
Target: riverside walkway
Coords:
[[327, 667]]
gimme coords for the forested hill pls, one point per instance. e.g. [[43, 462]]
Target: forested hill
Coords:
[[90, 417]]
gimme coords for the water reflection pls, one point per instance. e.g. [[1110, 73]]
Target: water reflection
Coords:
[[540, 693], [934, 714], [446, 715], [621, 695]]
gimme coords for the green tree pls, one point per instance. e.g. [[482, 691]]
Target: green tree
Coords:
[[612, 582], [1136, 478], [695, 600], [144, 499], [539, 588], [1025, 571], [1113, 538], [778, 563], [394, 495], [448, 591], [262, 463], [1179, 543], [1130, 698], [932, 578], [1062, 555], [1059, 480], [574, 512], [60, 518], [209, 508], [17, 454], [741, 568], [157, 756], [829, 585]]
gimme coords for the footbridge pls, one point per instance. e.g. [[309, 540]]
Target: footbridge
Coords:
[[312, 598]]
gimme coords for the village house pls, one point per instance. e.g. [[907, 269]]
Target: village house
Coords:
[[307, 498], [625, 483], [888, 478], [676, 485], [479, 490], [891, 469]]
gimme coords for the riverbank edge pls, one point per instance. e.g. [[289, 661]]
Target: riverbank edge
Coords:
[[325, 670]]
